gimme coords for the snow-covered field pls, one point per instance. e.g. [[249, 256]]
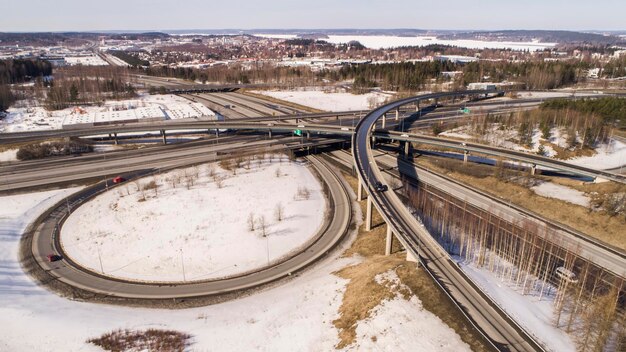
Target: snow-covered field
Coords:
[[331, 101], [552, 190], [199, 233], [146, 106], [384, 42], [92, 60], [296, 316]]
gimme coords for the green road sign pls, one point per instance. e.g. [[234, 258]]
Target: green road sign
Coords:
[[466, 110], [297, 132]]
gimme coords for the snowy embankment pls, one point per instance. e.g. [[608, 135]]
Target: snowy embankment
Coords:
[[330, 101], [530, 310], [8, 155], [293, 317], [198, 231], [607, 156]]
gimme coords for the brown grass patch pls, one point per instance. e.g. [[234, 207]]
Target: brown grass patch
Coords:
[[597, 224]]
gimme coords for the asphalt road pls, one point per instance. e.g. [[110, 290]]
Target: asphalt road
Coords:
[[500, 329], [45, 241], [21, 175]]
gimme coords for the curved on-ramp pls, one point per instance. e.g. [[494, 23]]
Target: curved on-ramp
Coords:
[[500, 329], [45, 240]]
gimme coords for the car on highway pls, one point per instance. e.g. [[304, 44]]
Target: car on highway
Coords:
[[53, 257], [118, 179], [380, 187]]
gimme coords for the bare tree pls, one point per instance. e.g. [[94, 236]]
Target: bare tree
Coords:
[[303, 193], [279, 212], [262, 225], [219, 181], [251, 222]]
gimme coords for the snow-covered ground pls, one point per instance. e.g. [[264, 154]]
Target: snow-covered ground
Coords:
[[382, 42], [146, 106], [552, 190], [92, 60], [331, 101], [8, 155], [296, 316], [373, 332], [607, 156], [197, 233]]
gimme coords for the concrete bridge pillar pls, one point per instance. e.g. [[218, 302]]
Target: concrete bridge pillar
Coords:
[[384, 120], [407, 147], [397, 114], [270, 133], [359, 192], [308, 135], [368, 215], [533, 169], [115, 138], [465, 156], [417, 106], [164, 136], [389, 241]]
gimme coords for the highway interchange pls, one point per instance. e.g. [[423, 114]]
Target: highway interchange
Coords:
[[500, 329]]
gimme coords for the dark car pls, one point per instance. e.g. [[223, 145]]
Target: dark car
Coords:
[[380, 187], [53, 257], [119, 179]]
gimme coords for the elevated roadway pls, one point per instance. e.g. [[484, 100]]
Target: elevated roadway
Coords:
[[500, 329]]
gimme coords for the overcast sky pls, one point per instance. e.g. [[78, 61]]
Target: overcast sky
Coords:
[[87, 15]]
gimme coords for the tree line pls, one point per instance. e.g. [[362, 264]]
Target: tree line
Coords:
[[19, 71]]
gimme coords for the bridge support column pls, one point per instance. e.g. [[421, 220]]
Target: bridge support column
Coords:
[[270, 133], [465, 156], [389, 241], [397, 114], [115, 138], [359, 191], [308, 135], [384, 120], [164, 136], [368, 215], [533, 169], [407, 147]]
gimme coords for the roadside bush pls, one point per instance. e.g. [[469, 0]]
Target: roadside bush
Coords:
[[149, 340], [43, 150]]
